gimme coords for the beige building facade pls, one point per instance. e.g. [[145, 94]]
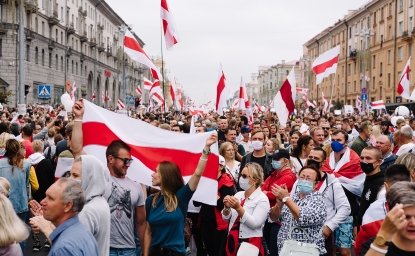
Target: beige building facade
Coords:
[[375, 43]]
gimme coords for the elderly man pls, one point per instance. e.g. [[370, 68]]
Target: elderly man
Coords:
[[63, 201], [405, 138], [384, 144], [318, 136]]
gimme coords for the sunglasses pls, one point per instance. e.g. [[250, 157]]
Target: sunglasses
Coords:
[[125, 161], [326, 128]]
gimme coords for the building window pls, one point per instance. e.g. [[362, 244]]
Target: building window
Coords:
[[62, 38], [27, 52], [389, 79], [72, 67], [374, 82], [61, 63], [400, 27], [411, 3], [409, 49], [400, 6], [56, 35], [57, 62], [43, 28], [36, 56], [76, 68], [374, 61], [354, 86], [400, 53], [389, 57], [43, 57], [380, 69]]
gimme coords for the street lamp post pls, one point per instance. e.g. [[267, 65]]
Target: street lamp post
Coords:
[[365, 33]]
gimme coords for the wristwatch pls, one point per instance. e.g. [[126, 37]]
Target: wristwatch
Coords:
[[380, 241], [206, 152], [284, 199]]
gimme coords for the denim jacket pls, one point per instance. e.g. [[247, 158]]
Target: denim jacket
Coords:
[[19, 181]]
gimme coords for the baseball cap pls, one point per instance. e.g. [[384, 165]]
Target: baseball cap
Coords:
[[282, 153], [245, 129]]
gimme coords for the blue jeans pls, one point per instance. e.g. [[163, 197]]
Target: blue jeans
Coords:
[[122, 251]]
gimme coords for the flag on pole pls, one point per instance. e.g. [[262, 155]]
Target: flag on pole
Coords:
[[180, 100], [220, 95], [138, 90], [404, 83], [147, 84], [284, 101], [150, 147], [243, 96], [302, 90], [308, 103], [358, 104], [172, 91], [134, 50], [379, 104], [325, 103], [120, 104], [73, 90], [326, 64], [169, 30]]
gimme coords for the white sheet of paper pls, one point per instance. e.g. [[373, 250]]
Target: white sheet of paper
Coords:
[[247, 249]]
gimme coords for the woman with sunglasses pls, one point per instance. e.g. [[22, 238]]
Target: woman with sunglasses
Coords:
[[166, 210], [246, 211], [302, 215]]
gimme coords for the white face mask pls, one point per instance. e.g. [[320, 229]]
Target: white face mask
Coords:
[[244, 183], [257, 145]]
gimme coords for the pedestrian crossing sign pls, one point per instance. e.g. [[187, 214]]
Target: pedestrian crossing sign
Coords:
[[43, 91]]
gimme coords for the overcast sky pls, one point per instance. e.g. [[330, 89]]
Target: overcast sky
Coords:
[[240, 35]]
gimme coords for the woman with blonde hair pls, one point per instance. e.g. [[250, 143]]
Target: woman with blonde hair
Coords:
[[4, 186], [246, 211], [231, 164], [408, 159], [272, 145], [13, 230]]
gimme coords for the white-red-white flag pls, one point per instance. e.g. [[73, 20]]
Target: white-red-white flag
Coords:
[[326, 64], [156, 94], [243, 97], [147, 84], [379, 104], [172, 91], [325, 103], [138, 90], [73, 90], [236, 104], [284, 101], [302, 90], [93, 97], [120, 104], [358, 104], [149, 147], [308, 103], [170, 34], [404, 84], [180, 100], [220, 95], [134, 50]]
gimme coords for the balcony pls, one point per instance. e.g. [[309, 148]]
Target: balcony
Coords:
[[93, 42], [53, 19], [109, 51], [83, 38], [406, 36], [51, 44], [69, 51], [100, 26], [82, 12], [29, 35], [353, 55], [3, 29], [30, 6], [70, 29], [101, 47]]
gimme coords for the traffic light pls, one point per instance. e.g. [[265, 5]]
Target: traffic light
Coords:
[[26, 89]]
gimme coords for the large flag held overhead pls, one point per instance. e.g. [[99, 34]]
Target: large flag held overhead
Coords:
[[220, 95], [404, 83], [326, 64], [379, 104], [284, 101], [169, 31], [134, 50], [243, 97], [149, 147], [325, 103]]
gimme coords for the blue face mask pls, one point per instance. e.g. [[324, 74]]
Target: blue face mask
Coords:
[[305, 186], [337, 146], [276, 165]]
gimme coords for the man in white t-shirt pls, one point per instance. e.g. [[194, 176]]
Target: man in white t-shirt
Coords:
[[406, 140]]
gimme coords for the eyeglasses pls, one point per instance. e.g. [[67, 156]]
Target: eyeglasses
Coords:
[[326, 128], [125, 161]]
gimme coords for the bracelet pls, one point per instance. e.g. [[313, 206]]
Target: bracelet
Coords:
[[77, 120], [377, 249]]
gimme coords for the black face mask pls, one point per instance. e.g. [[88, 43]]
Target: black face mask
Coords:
[[367, 167], [314, 163]]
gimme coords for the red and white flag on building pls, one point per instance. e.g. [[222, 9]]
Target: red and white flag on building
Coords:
[[149, 147], [325, 103], [358, 104], [404, 83], [169, 30], [134, 50], [220, 95], [379, 104], [326, 64], [284, 101], [120, 104], [138, 90]]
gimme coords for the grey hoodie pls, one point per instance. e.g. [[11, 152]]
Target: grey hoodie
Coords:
[[95, 215]]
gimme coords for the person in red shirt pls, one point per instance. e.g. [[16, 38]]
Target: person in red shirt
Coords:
[[27, 132], [281, 175]]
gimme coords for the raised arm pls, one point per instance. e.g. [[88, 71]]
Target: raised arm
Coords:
[[78, 111], [194, 180]]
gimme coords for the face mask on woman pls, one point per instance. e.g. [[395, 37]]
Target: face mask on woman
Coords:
[[276, 165], [244, 183], [257, 145], [305, 186]]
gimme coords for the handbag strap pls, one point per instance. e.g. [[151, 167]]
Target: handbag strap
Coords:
[[292, 228]]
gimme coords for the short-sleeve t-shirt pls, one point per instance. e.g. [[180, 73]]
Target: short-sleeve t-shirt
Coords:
[[167, 227], [125, 195]]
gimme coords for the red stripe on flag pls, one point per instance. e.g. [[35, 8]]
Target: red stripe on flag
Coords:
[[286, 96], [134, 45], [325, 65], [149, 156], [219, 90]]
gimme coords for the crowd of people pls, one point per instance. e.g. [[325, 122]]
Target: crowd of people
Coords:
[[323, 184]]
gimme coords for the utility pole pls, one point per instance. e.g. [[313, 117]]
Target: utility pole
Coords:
[[21, 87]]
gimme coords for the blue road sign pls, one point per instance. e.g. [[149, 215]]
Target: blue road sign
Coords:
[[129, 99], [43, 91], [363, 96]]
